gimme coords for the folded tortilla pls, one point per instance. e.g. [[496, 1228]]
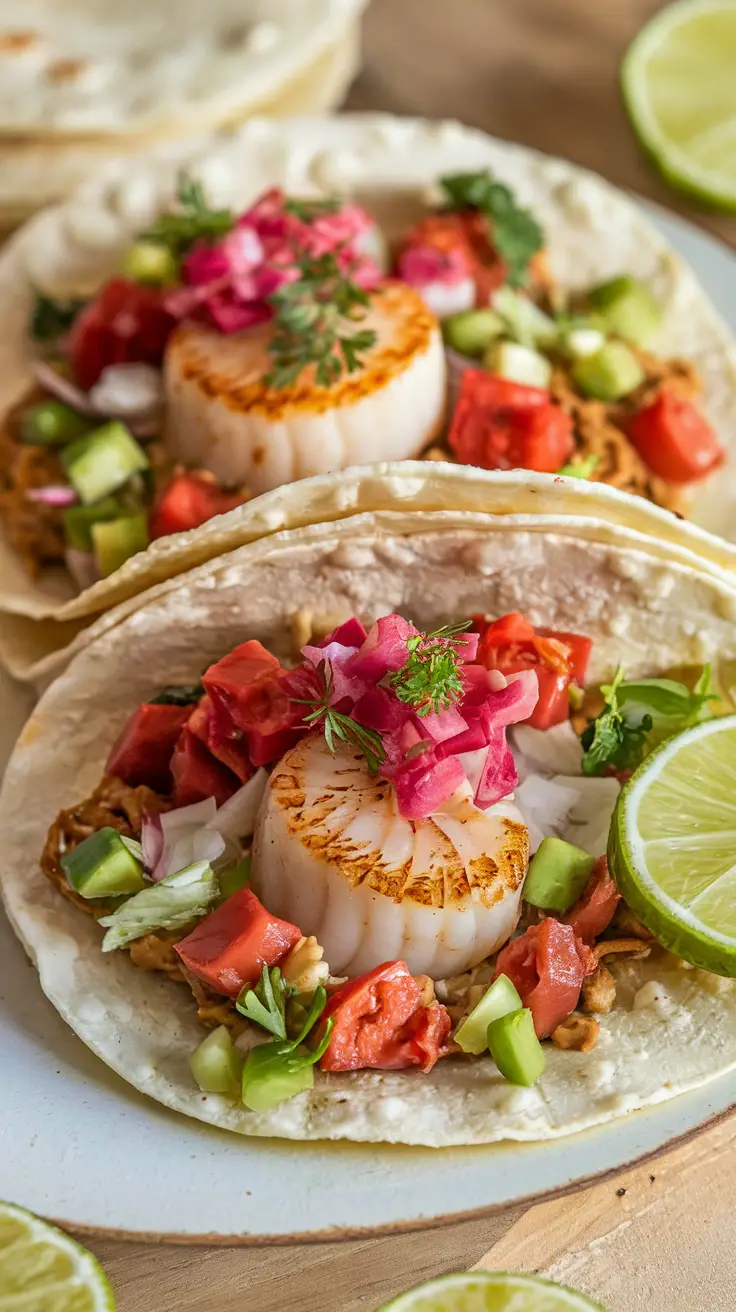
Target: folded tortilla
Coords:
[[647, 610], [390, 165]]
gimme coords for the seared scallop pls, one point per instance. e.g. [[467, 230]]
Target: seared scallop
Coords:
[[221, 415], [333, 855]]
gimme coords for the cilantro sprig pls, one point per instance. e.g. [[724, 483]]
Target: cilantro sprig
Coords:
[[50, 317], [430, 680], [515, 233], [191, 221], [265, 1005], [281, 1068], [338, 727], [638, 715], [313, 317], [308, 208]]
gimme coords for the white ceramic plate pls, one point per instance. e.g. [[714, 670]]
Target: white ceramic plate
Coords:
[[80, 1146]]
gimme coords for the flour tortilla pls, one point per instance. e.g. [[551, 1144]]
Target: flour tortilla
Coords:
[[89, 68], [390, 164], [38, 171], [434, 567]]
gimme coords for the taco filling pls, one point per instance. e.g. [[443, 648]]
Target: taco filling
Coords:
[[234, 353], [403, 850]]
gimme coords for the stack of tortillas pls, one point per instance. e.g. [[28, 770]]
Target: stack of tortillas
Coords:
[[84, 81]]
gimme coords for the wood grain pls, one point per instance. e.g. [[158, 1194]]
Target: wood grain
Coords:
[[542, 72]]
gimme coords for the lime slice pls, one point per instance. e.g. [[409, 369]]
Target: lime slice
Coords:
[[43, 1270], [672, 849], [679, 87], [490, 1291]]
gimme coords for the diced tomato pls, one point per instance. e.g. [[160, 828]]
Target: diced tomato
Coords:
[[196, 773], [498, 424], [511, 644], [674, 439], [142, 752], [190, 500], [379, 1022], [230, 947], [125, 324], [231, 751], [547, 966], [251, 700], [593, 912]]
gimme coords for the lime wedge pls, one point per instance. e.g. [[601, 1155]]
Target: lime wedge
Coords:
[[672, 849], [490, 1291], [679, 87], [43, 1270]]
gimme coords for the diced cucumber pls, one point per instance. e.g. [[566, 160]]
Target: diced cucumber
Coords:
[[115, 540], [520, 364], [103, 461], [102, 866], [52, 424], [582, 342], [78, 521], [524, 320], [217, 1065], [612, 373], [627, 309], [557, 875], [234, 878], [500, 998], [150, 262], [581, 467], [470, 331], [515, 1047]]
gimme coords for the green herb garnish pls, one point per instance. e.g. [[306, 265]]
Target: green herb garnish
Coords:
[[582, 468], [265, 1005], [51, 318], [430, 679], [515, 233], [638, 715], [307, 209], [312, 317], [338, 727], [278, 1070], [175, 694], [192, 221]]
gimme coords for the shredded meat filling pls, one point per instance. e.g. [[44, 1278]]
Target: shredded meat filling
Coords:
[[32, 528], [599, 427], [116, 805], [112, 804]]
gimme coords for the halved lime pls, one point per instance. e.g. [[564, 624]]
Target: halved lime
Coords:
[[490, 1291], [43, 1270], [679, 85], [672, 849]]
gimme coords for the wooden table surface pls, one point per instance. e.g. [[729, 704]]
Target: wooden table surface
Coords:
[[544, 73]]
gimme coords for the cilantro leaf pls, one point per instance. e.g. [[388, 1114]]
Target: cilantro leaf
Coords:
[[266, 1004], [312, 317], [638, 715], [514, 233], [191, 221], [307, 209]]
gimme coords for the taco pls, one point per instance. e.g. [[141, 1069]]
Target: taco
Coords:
[[393, 828], [279, 309]]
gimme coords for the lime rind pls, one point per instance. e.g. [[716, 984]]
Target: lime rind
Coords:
[[678, 927], [19, 1227], [688, 171], [490, 1291]]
